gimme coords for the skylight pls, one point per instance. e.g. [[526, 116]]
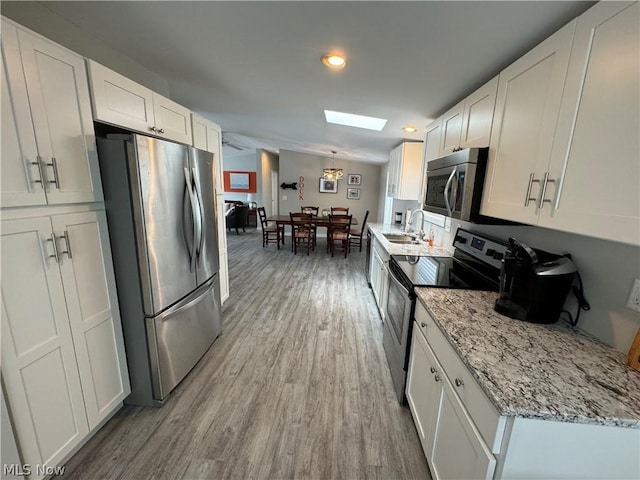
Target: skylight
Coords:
[[352, 120]]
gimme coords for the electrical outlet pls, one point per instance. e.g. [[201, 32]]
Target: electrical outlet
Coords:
[[634, 297], [284, 197], [447, 224]]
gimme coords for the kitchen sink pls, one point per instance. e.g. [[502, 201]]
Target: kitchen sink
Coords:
[[399, 238]]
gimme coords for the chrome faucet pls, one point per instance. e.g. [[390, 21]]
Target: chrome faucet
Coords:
[[410, 223]]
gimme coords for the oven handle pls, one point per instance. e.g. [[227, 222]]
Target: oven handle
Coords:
[[398, 283], [446, 190]]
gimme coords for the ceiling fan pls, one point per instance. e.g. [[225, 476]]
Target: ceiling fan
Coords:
[[230, 144]]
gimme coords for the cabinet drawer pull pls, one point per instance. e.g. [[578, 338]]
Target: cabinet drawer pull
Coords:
[[532, 180], [433, 370], [56, 178], [544, 190], [459, 382], [436, 377], [52, 239]]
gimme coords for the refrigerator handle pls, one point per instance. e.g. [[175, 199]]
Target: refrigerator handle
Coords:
[[192, 200], [198, 196]]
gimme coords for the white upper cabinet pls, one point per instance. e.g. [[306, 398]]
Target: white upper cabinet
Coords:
[[596, 153], [468, 123], [564, 146], [451, 129], [48, 145], [524, 124], [405, 168], [120, 101], [477, 116], [432, 140]]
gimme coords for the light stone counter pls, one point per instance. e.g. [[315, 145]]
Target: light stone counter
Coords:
[[550, 372], [420, 249]]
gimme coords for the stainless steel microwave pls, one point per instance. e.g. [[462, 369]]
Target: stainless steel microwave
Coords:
[[454, 184]]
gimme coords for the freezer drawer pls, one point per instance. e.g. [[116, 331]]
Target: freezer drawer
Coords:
[[180, 336]]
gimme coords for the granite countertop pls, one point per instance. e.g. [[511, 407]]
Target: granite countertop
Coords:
[[419, 249], [550, 372]]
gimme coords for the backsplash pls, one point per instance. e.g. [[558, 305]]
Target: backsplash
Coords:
[[607, 270]]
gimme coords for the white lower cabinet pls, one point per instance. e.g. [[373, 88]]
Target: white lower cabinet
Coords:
[[379, 275], [458, 449], [63, 360], [453, 446], [464, 436]]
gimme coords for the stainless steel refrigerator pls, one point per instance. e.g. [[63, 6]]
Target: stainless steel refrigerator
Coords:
[[160, 203]]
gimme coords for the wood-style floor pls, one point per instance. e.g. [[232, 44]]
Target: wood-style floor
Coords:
[[297, 386]]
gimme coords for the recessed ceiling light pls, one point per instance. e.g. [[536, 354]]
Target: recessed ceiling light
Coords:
[[334, 61], [410, 129], [353, 120]]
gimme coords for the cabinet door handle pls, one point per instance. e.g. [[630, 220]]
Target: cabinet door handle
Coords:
[[161, 130], [153, 129], [65, 235], [532, 180], [544, 190], [436, 377], [423, 325], [52, 239], [433, 370], [38, 163], [459, 382], [56, 178]]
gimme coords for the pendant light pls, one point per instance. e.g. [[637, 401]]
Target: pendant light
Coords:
[[332, 173]]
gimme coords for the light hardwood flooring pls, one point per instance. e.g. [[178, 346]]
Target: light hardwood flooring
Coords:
[[296, 387]]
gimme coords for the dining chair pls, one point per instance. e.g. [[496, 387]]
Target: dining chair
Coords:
[[302, 232], [355, 236], [338, 232], [339, 210], [314, 212], [269, 232]]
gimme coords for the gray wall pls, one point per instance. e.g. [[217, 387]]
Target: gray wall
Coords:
[[39, 18], [293, 165]]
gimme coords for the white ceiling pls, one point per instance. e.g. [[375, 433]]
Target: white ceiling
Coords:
[[254, 67]]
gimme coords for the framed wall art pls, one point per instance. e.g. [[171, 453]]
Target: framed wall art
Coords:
[[353, 193], [354, 179], [241, 182], [328, 186]]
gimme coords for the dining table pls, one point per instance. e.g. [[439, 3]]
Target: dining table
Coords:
[[318, 220]]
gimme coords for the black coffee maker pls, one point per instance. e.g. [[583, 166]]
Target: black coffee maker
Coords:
[[533, 284]]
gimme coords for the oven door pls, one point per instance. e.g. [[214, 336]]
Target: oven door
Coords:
[[400, 303]]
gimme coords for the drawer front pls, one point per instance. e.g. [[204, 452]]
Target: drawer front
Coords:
[[479, 407], [382, 253]]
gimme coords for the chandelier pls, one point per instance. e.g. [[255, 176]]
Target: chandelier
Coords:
[[332, 173]]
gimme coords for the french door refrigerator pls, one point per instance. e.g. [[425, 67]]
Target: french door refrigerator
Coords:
[[160, 203]]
